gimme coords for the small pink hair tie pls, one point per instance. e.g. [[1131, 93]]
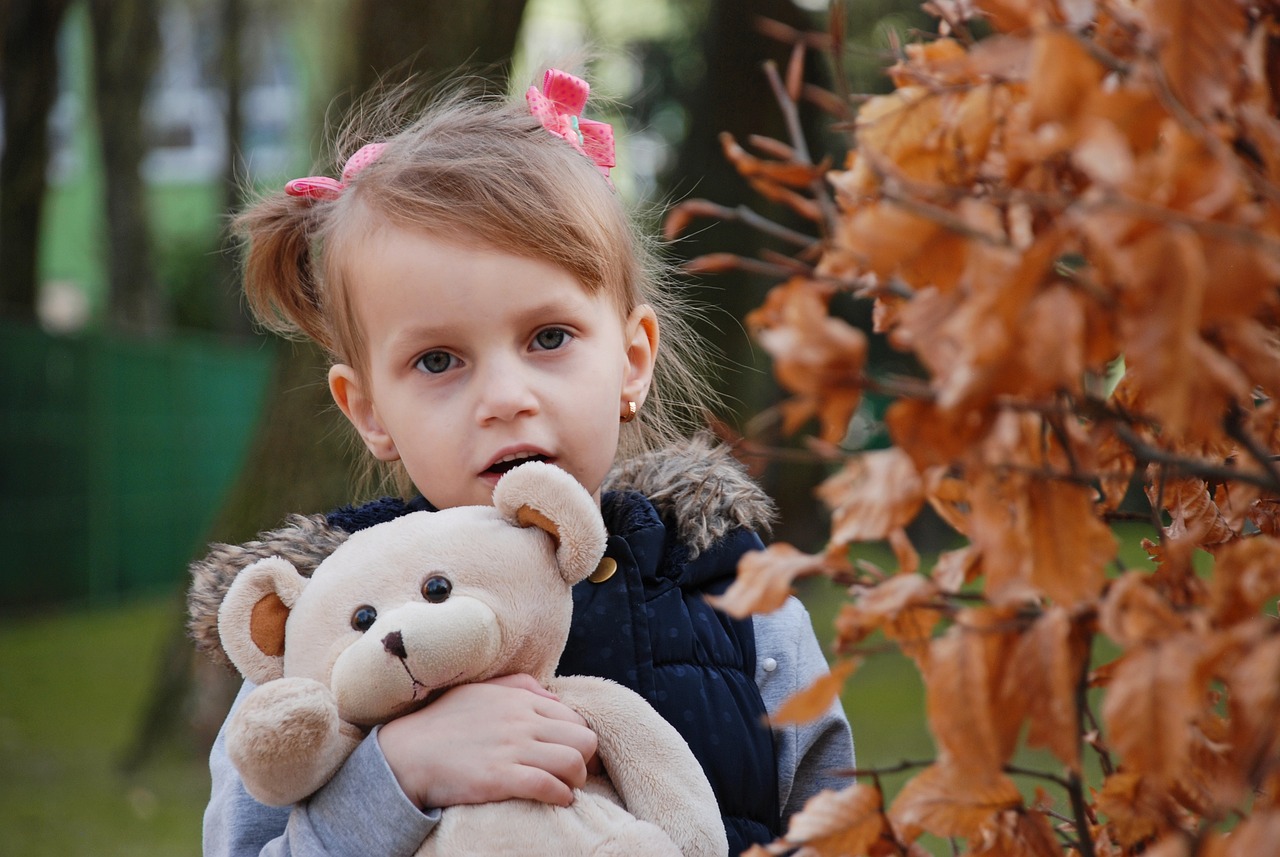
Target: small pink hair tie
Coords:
[[323, 187], [559, 107]]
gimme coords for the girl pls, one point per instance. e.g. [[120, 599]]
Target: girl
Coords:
[[486, 302]]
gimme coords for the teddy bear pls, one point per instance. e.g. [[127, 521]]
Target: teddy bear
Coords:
[[405, 609]]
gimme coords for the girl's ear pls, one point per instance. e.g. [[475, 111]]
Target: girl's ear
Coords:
[[641, 331], [353, 398]]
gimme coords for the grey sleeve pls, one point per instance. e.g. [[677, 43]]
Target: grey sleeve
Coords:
[[810, 756], [360, 811]]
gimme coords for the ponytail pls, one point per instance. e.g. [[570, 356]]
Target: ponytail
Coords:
[[280, 281]]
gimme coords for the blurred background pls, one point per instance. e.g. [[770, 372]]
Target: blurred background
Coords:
[[142, 416]]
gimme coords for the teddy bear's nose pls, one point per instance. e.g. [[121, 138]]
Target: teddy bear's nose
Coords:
[[394, 643]]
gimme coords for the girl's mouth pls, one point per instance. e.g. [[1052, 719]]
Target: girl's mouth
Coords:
[[508, 462]]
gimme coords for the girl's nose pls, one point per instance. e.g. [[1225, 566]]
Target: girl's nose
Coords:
[[506, 392]]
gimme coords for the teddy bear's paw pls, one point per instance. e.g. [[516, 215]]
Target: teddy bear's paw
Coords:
[[286, 739]]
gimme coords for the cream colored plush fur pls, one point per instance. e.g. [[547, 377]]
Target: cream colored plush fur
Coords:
[[323, 683]]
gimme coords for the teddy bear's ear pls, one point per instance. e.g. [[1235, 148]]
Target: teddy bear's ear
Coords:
[[544, 496], [252, 616]]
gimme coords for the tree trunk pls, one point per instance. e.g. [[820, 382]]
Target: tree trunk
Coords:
[[126, 42], [394, 40], [228, 308], [734, 96], [29, 85]]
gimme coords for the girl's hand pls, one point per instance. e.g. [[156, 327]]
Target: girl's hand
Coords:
[[504, 738]]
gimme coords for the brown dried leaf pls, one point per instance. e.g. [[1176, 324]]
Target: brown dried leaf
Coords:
[[934, 437], [1134, 613], [1062, 78], [955, 568], [849, 821], [1135, 811], [873, 495], [1254, 702], [1200, 47], [1246, 578], [816, 356], [816, 699], [791, 174], [903, 606], [948, 800], [904, 551], [764, 579], [962, 679], [712, 263], [1020, 833], [1071, 546], [1040, 684], [1194, 517], [1149, 706]]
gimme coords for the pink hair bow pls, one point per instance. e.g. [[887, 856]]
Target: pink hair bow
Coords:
[[559, 107], [323, 187]]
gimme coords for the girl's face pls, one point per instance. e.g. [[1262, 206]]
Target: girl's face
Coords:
[[478, 360]]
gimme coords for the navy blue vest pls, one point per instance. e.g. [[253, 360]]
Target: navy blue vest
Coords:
[[649, 627]]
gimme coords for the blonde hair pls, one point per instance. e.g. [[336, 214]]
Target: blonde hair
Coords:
[[480, 171]]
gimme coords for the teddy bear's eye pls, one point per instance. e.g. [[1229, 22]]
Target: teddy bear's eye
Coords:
[[362, 620], [436, 589]]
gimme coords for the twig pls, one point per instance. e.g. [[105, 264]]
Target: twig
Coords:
[[876, 773], [1146, 453], [1236, 429], [792, 117]]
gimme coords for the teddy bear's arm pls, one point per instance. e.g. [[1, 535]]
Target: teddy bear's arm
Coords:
[[651, 767], [287, 740]]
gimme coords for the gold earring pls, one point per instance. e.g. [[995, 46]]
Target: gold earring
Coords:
[[630, 413]]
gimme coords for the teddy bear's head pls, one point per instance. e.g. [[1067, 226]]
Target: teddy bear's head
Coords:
[[424, 602]]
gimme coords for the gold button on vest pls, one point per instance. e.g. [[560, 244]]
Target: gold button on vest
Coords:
[[604, 570]]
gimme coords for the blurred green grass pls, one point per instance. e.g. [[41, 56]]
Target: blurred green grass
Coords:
[[72, 688]]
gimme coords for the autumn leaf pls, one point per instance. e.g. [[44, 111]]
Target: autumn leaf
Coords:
[[764, 578], [1149, 708], [789, 173], [903, 606], [1040, 684], [1135, 811], [1072, 546], [962, 677], [1194, 517], [1019, 833], [849, 821], [1091, 185], [874, 494], [816, 699], [1134, 613], [1246, 578], [816, 356], [1199, 44], [947, 800], [956, 568]]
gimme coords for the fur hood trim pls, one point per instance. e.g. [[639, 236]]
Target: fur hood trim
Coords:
[[697, 484], [303, 540], [701, 487]]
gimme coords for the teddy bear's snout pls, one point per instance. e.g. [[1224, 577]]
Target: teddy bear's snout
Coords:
[[394, 643]]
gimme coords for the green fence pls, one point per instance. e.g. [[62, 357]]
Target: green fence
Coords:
[[114, 456]]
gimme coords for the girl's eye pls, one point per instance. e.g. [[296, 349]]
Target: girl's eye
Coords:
[[435, 362], [362, 620], [551, 338], [436, 589]]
